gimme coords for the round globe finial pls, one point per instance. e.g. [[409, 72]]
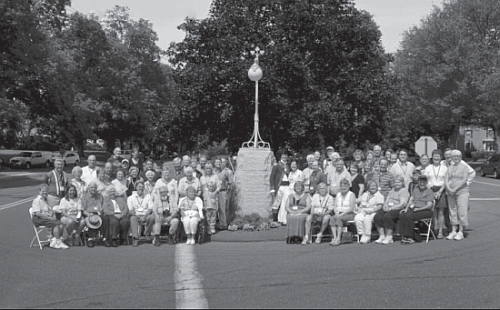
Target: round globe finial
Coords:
[[255, 72]]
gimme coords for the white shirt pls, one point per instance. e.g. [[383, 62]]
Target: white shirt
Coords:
[[404, 170], [88, 174], [139, 205], [435, 175]]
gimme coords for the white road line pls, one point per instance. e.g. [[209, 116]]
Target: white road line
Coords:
[[16, 203], [484, 199], [189, 292], [497, 185]]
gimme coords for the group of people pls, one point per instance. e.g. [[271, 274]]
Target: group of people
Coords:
[[381, 189], [124, 195]]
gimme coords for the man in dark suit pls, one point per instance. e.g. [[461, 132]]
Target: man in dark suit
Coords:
[[279, 184]]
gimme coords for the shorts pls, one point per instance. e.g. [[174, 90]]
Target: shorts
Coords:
[[49, 223]]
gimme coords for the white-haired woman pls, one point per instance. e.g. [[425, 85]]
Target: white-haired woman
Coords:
[[457, 191], [191, 208], [80, 185]]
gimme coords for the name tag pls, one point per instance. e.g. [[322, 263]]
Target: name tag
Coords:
[[295, 208], [61, 188]]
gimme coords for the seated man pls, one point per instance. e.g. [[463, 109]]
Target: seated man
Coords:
[[322, 206], [164, 215], [419, 206], [115, 218], [92, 203], [141, 211], [43, 215]]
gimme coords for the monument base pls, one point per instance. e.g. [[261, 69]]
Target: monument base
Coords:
[[252, 186]]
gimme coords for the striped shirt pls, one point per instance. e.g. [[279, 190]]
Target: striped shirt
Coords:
[[384, 182]]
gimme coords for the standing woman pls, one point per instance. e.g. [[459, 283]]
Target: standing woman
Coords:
[[436, 173], [370, 156], [294, 176], [80, 185], [298, 206], [424, 162], [102, 181], [345, 202], [357, 180], [120, 184], [132, 180], [358, 159], [457, 192]]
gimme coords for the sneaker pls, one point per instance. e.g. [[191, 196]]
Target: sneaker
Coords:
[[388, 240], [365, 239], [318, 238], [156, 241], [410, 241], [54, 245], [335, 242], [53, 242], [62, 245], [305, 240], [135, 242], [192, 241], [440, 235], [459, 236], [188, 241], [90, 243], [451, 235], [380, 239]]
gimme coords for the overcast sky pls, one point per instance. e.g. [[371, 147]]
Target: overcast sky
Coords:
[[393, 16]]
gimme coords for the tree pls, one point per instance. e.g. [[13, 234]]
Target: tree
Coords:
[[447, 69], [323, 73]]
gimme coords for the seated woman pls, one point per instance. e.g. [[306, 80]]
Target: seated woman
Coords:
[[71, 216], [294, 176], [115, 218], [368, 205], [43, 215], [419, 207], [345, 202], [322, 208], [395, 202], [297, 205], [140, 208], [120, 184], [191, 208], [164, 214]]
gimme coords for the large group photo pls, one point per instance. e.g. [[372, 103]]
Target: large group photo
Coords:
[[249, 154]]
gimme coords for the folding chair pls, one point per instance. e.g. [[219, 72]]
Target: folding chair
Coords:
[[352, 225], [428, 225], [38, 230]]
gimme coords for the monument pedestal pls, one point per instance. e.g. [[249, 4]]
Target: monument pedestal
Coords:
[[252, 181]]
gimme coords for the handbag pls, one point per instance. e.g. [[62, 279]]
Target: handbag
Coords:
[[346, 237]]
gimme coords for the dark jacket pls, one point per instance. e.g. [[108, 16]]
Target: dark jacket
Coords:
[[276, 176]]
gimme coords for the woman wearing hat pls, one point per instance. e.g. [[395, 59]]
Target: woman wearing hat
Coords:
[[419, 206]]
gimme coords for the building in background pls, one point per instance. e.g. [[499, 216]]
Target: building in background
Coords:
[[470, 139]]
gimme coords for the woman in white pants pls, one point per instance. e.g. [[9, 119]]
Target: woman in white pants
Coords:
[[368, 205], [191, 208]]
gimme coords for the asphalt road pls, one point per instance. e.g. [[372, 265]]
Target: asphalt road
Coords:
[[270, 274]]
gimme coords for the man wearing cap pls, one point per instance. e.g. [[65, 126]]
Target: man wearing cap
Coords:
[[328, 161], [419, 206], [279, 186], [92, 204]]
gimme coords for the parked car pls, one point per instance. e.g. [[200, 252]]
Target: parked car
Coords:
[[69, 157], [28, 159], [491, 166]]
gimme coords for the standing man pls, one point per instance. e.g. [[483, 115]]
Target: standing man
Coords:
[[178, 171], [116, 161], [328, 161], [308, 172], [186, 162], [89, 172], [150, 167], [226, 179], [317, 176], [403, 167], [279, 186], [335, 174], [203, 162], [58, 182], [377, 152], [384, 178]]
